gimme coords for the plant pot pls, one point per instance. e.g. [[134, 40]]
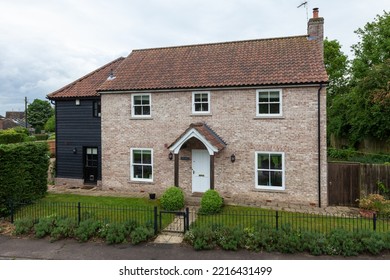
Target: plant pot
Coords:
[[152, 196], [367, 213]]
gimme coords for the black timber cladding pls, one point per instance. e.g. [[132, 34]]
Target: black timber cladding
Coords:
[[76, 128]]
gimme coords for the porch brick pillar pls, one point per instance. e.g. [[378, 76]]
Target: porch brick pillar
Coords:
[[211, 172], [176, 180]]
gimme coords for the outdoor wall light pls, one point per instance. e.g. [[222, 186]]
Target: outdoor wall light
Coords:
[[77, 102], [170, 156], [75, 150], [232, 158]]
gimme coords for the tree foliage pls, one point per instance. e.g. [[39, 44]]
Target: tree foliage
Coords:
[[39, 112], [359, 107], [50, 125]]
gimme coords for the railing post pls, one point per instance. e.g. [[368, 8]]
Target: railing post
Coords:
[[187, 220], [11, 208], [155, 220], [78, 212], [374, 221], [277, 219]]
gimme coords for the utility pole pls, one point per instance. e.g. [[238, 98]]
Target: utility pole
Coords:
[[25, 110]]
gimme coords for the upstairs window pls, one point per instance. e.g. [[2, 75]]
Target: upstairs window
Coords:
[[200, 102], [97, 109], [269, 103], [141, 105]]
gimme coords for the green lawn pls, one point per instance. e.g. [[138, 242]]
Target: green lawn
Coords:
[[250, 217]]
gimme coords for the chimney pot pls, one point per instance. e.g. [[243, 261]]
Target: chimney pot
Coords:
[[315, 13]]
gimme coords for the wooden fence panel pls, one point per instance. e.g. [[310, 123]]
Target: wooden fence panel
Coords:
[[371, 174], [343, 183], [346, 181]]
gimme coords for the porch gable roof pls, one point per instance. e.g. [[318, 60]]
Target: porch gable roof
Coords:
[[203, 133]]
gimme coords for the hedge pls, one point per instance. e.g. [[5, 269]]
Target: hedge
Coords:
[[11, 138], [23, 172]]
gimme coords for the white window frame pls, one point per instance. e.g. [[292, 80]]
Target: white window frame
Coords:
[[133, 115], [208, 102], [280, 103], [268, 187], [132, 177]]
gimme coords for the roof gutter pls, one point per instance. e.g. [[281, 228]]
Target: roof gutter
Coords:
[[319, 143]]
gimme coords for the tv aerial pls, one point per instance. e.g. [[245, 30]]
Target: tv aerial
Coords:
[[305, 4]]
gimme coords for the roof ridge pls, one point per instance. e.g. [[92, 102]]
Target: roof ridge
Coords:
[[220, 43], [85, 76]]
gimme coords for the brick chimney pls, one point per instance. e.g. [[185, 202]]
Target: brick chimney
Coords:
[[315, 28]]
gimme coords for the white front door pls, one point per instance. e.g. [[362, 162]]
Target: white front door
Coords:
[[200, 170]]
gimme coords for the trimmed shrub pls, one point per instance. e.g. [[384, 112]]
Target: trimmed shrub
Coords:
[[63, 228], [44, 226], [141, 234], [23, 173], [229, 238], [87, 229], [41, 137], [23, 226], [172, 199], [201, 238], [211, 203], [116, 233]]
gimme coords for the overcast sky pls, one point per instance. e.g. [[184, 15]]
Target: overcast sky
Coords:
[[46, 44]]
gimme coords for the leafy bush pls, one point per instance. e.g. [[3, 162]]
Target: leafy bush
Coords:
[[87, 229], [341, 242], [44, 226], [23, 226], [313, 242], [41, 137], [63, 228], [211, 203], [374, 202], [229, 238], [201, 238], [23, 173], [116, 233], [172, 199], [141, 234]]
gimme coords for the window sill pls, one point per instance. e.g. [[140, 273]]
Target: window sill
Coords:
[[141, 118], [269, 190], [268, 117], [201, 115], [141, 182]]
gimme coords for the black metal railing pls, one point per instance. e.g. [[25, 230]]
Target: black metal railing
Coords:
[[159, 219], [298, 221]]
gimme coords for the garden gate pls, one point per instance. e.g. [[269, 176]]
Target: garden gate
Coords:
[[179, 221]]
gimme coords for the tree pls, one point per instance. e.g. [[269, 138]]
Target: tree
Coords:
[[369, 112], [38, 113], [337, 67], [50, 125], [359, 97]]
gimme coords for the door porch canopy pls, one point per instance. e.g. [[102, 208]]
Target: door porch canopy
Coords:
[[204, 134]]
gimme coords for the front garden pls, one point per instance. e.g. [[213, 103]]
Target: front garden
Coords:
[[118, 220]]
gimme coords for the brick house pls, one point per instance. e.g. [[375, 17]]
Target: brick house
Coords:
[[246, 118]]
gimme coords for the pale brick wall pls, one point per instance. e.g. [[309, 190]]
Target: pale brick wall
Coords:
[[233, 118]]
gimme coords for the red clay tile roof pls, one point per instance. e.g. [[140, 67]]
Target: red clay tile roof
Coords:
[[87, 85], [207, 133], [289, 60]]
